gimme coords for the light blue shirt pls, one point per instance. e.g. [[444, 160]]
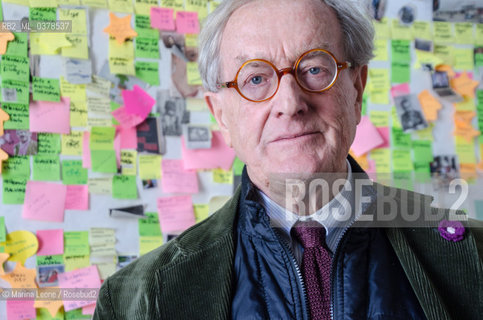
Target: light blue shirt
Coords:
[[336, 216]]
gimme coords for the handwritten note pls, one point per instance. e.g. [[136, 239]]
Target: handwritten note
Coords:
[[48, 143], [218, 156], [51, 242], [15, 68], [125, 119], [21, 245], [124, 187], [367, 137], [176, 179], [147, 48], [46, 167], [148, 72], [87, 278], [162, 18], [138, 102], [20, 309], [15, 91], [44, 201], [72, 143], [120, 28], [50, 117], [187, 22], [128, 137], [45, 89], [77, 197], [175, 213], [76, 243], [18, 46], [13, 191], [129, 162], [143, 27], [149, 166], [17, 116], [149, 226], [73, 172]]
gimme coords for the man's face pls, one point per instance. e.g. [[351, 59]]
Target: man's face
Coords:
[[295, 131], [23, 136]]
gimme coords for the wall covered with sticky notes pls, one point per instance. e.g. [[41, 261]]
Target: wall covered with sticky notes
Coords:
[[107, 149]]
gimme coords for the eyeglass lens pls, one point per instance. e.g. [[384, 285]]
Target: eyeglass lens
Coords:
[[258, 80]]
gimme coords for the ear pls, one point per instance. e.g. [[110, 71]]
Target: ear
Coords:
[[214, 102], [360, 80]]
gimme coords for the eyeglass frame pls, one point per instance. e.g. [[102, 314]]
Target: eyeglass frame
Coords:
[[281, 72]]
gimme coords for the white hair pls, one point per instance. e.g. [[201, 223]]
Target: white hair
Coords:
[[355, 23]]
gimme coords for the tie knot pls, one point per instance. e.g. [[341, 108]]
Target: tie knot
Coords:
[[309, 233]]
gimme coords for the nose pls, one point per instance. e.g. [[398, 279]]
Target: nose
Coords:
[[289, 100]]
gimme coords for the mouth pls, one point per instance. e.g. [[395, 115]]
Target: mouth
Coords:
[[296, 136]]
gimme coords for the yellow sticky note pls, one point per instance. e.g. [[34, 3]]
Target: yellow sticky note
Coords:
[[102, 186], [76, 262], [95, 3], [21, 245], [70, 2], [479, 34], [464, 33], [73, 91], [78, 113], [400, 32], [379, 118], [379, 79], [212, 6], [468, 104], [463, 58], [424, 57], [72, 143], [200, 6], [194, 77], [121, 57], [382, 158], [144, 6], [79, 48], [380, 50], [196, 104], [379, 96], [43, 4], [177, 5], [422, 30], [149, 243], [149, 166], [20, 2], [129, 162], [382, 29], [222, 176], [48, 43], [426, 133], [191, 40], [443, 32], [202, 211], [78, 18], [124, 6], [445, 53], [465, 150]]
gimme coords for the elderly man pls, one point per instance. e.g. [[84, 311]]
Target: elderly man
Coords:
[[285, 81]]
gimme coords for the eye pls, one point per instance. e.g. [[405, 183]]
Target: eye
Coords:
[[256, 80], [314, 70]]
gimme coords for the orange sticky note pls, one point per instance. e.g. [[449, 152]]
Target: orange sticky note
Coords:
[[468, 171], [3, 117], [429, 104], [446, 68], [4, 38], [21, 277], [464, 85], [3, 157], [120, 28], [463, 119], [468, 134]]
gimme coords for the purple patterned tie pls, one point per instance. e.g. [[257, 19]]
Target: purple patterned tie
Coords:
[[316, 266]]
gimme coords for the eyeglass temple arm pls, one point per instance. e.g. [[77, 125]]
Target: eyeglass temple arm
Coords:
[[343, 65], [230, 84]]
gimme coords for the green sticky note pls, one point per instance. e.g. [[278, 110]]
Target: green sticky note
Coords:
[[114, 107], [16, 166], [3, 231], [464, 33], [479, 34], [46, 89], [43, 14], [50, 260], [14, 189], [102, 138], [18, 46], [46, 167], [73, 172], [400, 72], [124, 187], [76, 243], [422, 172], [48, 143], [147, 48], [423, 151], [15, 68], [76, 314], [364, 104], [44, 314], [479, 59], [400, 50], [142, 25], [19, 116], [400, 139], [15, 91], [238, 167], [148, 72], [149, 226], [401, 160], [104, 161]]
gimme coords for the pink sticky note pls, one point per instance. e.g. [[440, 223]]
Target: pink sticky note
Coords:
[[20, 309], [218, 156], [117, 148], [187, 22], [44, 201], [367, 137], [138, 102], [125, 119], [53, 117], [175, 213], [89, 309], [86, 150], [162, 19], [400, 89], [129, 139], [51, 242], [176, 179], [77, 197], [385, 134], [84, 278]]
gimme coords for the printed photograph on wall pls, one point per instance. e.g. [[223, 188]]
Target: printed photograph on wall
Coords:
[[19, 142]]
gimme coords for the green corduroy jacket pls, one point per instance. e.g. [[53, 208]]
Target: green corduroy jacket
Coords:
[[191, 277]]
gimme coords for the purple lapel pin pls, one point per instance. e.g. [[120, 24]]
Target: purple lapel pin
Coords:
[[451, 230]]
